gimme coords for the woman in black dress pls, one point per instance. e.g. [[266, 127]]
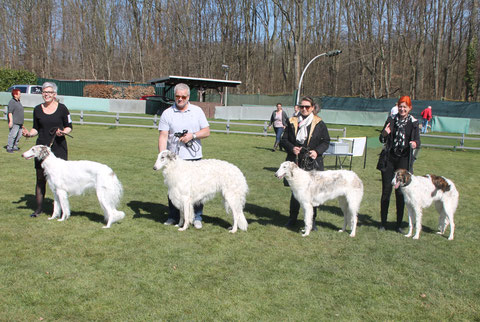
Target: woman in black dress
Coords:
[[51, 122]]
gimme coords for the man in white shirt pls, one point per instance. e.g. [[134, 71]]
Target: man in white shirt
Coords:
[[181, 128]]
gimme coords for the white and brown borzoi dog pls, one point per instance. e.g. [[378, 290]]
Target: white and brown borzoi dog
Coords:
[[420, 192], [73, 178], [194, 182], [313, 188]]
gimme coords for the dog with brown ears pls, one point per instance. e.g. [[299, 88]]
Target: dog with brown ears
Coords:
[[420, 192]]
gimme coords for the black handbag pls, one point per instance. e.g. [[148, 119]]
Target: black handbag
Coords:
[[382, 160]]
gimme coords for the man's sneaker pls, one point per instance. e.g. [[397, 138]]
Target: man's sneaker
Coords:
[[170, 221], [197, 224], [10, 150], [16, 148]]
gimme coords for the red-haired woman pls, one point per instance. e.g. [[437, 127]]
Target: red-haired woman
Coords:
[[15, 121], [400, 134]]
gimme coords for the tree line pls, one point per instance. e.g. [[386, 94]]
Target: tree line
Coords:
[[427, 49]]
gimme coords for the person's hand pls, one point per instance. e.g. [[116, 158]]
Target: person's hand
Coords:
[[313, 154], [387, 130], [25, 132], [413, 144], [10, 124], [60, 132], [296, 150], [186, 137]]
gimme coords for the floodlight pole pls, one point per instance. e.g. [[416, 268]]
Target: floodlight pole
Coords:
[[226, 68], [328, 54]]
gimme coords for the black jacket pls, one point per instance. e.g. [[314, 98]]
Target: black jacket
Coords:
[[412, 133], [318, 139]]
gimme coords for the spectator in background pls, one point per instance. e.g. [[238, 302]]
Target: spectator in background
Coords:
[[279, 121], [427, 117], [51, 122], [296, 111], [15, 121], [394, 111]]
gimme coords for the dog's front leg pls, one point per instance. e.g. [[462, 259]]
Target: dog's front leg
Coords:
[[418, 222], [186, 214], [64, 204], [411, 213], [56, 207], [308, 209]]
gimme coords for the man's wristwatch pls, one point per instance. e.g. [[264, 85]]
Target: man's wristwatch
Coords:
[[194, 136]]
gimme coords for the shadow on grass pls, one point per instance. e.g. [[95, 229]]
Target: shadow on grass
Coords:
[[159, 213], [149, 210], [265, 216], [29, 202]]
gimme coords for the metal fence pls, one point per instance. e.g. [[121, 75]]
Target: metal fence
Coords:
[[120, 119]]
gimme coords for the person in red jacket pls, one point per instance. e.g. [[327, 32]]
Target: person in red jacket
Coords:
[[427, 116]]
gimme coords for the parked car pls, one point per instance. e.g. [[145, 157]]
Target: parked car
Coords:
[[27, 89]]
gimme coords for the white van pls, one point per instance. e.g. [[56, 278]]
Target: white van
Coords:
[[27, 89]]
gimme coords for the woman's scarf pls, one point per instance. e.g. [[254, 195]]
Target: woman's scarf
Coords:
[[400, 140], [302, 128]]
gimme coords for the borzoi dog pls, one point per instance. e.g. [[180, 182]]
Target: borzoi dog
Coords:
[[73, 178], [194, 182], [313, 188], [420, 192]]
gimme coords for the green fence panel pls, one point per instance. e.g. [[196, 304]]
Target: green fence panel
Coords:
[[474, 126], [450, 124]]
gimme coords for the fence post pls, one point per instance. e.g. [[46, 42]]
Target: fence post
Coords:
[[155, 120], [462, 141], [265, 126], [81, 117], [117, 119], [5, 113], [344, 132], [228, 126]]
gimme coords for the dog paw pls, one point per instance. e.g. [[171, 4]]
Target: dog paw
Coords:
[[352, 235], [341, 230], [416, 237], [450, 238], [50, 218], [106, 226], [182, 229], [439, 233], [61, 219]]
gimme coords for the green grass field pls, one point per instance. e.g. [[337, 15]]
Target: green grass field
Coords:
[[141, 269]]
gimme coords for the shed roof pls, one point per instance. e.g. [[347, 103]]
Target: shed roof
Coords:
[[195, 82]]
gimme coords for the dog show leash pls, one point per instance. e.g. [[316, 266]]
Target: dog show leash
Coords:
[[52, 132]]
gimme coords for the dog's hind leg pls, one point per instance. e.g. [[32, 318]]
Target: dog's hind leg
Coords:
[[446, 217], [57, 209], [63, 200], [342, 200]]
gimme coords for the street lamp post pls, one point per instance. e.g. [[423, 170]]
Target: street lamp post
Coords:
[[226, 68], [328, 54]]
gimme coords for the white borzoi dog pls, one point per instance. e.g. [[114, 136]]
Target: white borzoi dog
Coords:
[[73, 178], [194, 182], [313, 188], [420, 192]]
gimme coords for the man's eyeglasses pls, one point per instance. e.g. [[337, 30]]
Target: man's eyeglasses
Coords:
[[48, 92], [183, 97], [304, 106]]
